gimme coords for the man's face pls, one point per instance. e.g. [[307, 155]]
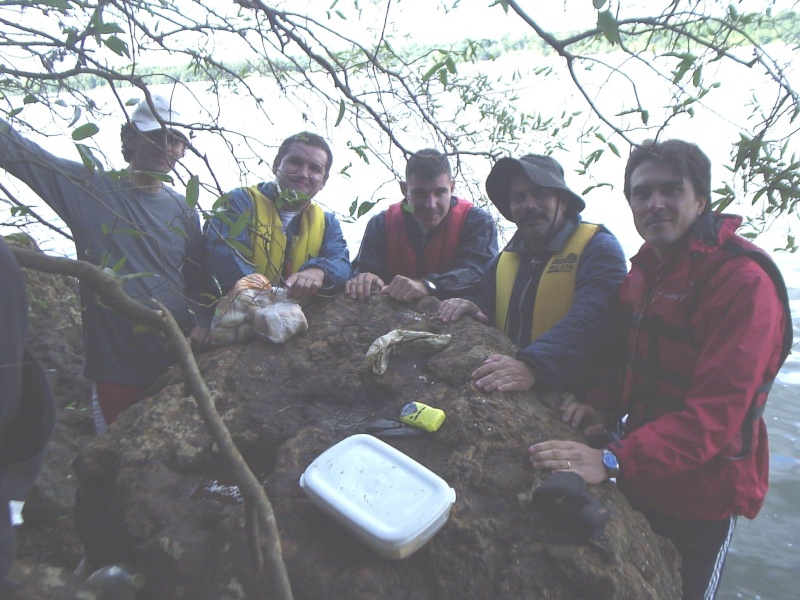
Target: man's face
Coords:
[[302, 170], [429, 199], [156, 151], [664, 205], [537, 211]]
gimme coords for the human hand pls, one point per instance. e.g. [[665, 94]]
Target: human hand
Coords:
[[362, 285], [504, 374], [453, 309], [305, 283], [560, 455], [198, 338], [405, 289], [581, 416]]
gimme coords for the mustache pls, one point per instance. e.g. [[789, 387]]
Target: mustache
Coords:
[[533, 213]]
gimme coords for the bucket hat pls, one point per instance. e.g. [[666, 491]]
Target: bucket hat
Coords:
[[542, 170]]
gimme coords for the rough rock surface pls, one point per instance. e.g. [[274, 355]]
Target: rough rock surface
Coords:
[[146, 490]]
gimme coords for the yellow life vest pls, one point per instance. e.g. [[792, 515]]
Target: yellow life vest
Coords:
[[269, 241], [556, 290]]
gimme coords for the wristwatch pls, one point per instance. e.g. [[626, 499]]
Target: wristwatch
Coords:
[[611, 463], [429, 285]]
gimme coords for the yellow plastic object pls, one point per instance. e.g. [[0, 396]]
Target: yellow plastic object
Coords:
[[422, 416]]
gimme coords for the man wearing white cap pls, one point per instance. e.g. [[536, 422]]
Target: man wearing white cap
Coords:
[[134, 224], [552, 288]]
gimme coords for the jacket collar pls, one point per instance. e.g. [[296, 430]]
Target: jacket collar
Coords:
[[556, 243], [707, 234]]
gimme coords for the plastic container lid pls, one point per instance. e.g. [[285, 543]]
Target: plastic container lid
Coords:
[[387, 499]]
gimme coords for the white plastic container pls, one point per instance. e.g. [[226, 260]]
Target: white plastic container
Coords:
[[385, 498]]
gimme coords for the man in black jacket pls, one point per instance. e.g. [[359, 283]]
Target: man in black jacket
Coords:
[[26, 410]]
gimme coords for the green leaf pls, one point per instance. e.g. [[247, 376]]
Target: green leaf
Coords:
[[241, 248], [85, 131], [119, 264], [364, 208], [240, 224], [609, 26], [129, 231], [431, 71], [88, 158], [221, 202], [117, 46], [106, 28], [598, 4], [341, 113], [30, 99], [614, 149], [179, 231], [192, 191], [59, 4]]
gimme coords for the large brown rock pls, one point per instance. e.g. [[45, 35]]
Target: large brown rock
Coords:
[[146, 494]]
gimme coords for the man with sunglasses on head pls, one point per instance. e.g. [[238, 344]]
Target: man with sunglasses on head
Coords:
[[552, 288], [136, 225], [288, 238]]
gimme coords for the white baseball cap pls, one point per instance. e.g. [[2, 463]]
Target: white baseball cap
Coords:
[[144, 119]]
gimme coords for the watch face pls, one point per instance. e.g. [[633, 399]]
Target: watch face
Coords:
[[429, 284], [610, 461]]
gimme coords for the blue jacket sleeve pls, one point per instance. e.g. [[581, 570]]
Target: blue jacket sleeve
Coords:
[[371, 256], [484, 294], [477, 246], [561, 358], [227, 262], [333, 259]]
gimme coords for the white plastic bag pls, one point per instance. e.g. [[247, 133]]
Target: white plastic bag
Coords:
[[233, 317], [279, 321]]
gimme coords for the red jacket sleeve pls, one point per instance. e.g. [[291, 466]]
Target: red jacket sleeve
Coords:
[[739, 320]]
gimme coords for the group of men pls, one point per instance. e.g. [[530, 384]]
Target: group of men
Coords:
[[685, 346]]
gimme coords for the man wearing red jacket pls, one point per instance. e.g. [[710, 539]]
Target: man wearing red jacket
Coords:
[[707, 322], [430, 244]]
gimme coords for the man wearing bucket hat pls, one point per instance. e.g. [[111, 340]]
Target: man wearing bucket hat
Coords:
[[136, 225], [552, 288], [429, 244]]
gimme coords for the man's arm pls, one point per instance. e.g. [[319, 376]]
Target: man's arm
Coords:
[[199, 285], [66, 186], [371, 257], [561, 357], [477, 246], [228, 262], [333, 259], [744, 321]]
